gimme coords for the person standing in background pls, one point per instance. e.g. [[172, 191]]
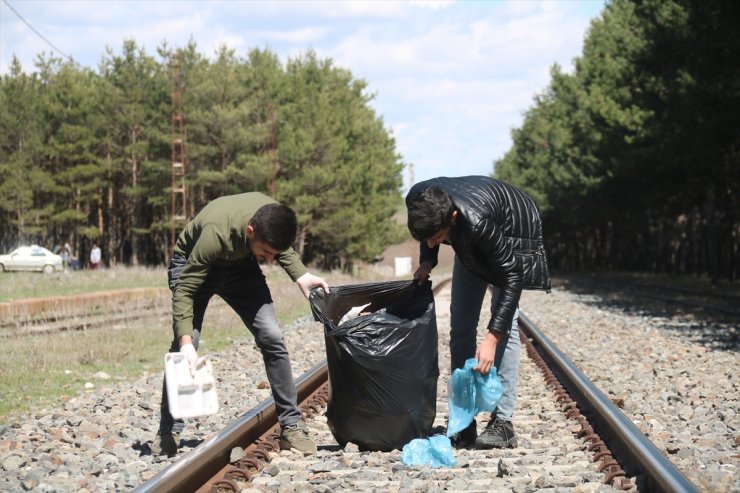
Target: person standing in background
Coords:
[[95, 257], [66, 255]]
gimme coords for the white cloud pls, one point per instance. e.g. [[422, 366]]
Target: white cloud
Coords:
[[451, 77], [306, 36], [432, 4]]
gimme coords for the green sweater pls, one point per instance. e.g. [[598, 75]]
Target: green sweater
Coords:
[[217, 237]]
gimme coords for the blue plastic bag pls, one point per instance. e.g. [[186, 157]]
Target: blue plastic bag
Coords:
[[469, 393], [435, 451]]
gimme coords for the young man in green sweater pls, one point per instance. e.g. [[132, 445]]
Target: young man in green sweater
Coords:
[[219, 252]]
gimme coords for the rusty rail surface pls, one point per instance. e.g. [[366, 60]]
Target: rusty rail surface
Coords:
[[254, 430], [623, 450], [208, 467], [51, 306], [37, 316], [615, 440]]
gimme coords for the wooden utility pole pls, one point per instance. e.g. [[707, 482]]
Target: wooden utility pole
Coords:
[[271, 150], [179, 194]]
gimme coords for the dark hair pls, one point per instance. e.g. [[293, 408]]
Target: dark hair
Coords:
[[429, 212], [276, 225]]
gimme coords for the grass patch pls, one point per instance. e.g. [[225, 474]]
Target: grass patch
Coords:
[[45, 370], [21, 285]]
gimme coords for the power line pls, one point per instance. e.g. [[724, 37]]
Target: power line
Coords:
[[37, 33]]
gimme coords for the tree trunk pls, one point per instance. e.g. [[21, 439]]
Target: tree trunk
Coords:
[[710, 235], [112, 244]]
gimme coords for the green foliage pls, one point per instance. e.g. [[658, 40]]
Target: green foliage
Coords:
[[89, 232], [87, 156], [633, 157], [337, 164]]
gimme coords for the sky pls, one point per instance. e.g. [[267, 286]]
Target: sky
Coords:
[[450, 79]]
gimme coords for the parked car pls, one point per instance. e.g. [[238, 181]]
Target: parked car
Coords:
[[31, 257]]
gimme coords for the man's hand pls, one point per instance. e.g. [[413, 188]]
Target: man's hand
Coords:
[[188, 350], [308, 281], [422, 273], [485, 353]]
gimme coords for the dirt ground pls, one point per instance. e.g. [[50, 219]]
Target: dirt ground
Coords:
[[410, 248]]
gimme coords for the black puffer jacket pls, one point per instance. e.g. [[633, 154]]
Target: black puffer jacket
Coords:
[[497, 236]]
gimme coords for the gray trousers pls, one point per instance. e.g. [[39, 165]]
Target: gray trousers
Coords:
[[468, 292], [245, 290]]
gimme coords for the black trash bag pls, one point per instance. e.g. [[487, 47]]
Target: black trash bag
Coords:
[[382, 365]]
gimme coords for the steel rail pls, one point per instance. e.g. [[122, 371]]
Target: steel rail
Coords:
[[198, 466], [195, 470], [634, 450], [77, 323]]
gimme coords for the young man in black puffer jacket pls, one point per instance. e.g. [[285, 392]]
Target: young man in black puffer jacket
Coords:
[[496, 233]]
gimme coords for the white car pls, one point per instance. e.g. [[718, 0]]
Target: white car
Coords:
[[31, 257]]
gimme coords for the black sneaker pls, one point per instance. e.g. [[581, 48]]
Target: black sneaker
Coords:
[[465, 438], [498, 434]]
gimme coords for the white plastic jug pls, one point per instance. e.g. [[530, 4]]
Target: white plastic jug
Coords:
[[190, 396]]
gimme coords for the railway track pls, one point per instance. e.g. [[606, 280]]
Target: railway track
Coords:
[[85, 312], [711, 303], [570, 435], [117, 308]]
